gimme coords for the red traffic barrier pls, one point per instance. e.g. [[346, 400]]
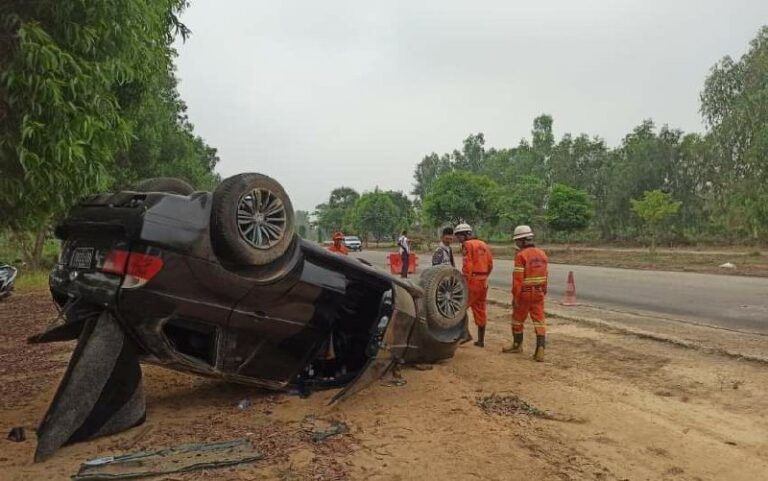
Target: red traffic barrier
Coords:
[[395, 263], [570, 291]]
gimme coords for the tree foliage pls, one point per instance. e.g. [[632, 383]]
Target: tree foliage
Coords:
[[88, 100], [568, 209], [734, 106], [375, 214], [461, 197], [405, 210], [335, 215], [719, 178], [654, 208]]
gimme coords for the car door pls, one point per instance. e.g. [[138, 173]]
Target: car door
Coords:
[[389, 344]]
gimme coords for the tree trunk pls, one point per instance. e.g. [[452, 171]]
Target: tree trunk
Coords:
[[31, 245], [37, 252]]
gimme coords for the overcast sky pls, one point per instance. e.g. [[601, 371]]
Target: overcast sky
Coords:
[[320, 94]]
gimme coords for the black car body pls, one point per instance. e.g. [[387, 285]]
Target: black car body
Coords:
[[166, 278]]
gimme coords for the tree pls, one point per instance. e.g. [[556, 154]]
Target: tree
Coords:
[[304, 224], [428, 171], [343, 198], [461, 196], [521, 203], [375, 214], [472, 154], [568, 210], [654, 208], [334, 215], [72, 90], [543, 138], [405, 211], [733, 104]]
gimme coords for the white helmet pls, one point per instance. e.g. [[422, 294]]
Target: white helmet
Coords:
[[462, 229], [522, 232]]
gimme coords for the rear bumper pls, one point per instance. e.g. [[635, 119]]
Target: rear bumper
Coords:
[[93, 287]]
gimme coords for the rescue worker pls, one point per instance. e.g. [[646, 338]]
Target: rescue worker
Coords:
[[529, 288], [476, 267], [338, 244], [444, 254], [405, 253]]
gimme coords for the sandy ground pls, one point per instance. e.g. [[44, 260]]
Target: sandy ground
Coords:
[[607, 405]]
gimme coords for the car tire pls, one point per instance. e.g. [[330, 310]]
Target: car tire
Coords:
[[446, 298], [168, 185], [252, 220]]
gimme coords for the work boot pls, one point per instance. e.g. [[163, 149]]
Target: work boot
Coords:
[[541, 342], [480, 337], [517, 344]]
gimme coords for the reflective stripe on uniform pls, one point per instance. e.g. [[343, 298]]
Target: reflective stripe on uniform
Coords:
[[533, 281], [519, 269]]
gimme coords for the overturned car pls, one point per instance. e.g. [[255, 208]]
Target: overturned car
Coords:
[[220, 285]]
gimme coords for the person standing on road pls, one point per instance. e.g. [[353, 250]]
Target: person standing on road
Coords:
[[338, 244], [477, 265], [405, 253], [529, 288], [444, 254]]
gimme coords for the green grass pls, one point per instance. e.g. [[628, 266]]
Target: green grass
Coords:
[[31, 281], [10, 252]]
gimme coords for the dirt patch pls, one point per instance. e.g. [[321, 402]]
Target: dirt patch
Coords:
[[646, 410], [24, 367]]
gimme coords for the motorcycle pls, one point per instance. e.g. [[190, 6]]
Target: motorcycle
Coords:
[[7, 276]]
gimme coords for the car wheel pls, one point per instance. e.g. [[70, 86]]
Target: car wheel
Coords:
[[445, 298], [252, 220], [169, 185]]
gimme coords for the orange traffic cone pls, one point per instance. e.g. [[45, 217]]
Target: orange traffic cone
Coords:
[[570, 291]]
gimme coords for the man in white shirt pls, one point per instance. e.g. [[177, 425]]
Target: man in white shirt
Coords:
[[405, 253]]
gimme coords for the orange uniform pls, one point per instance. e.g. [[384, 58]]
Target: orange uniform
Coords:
[[476, 267], [339, 249], [529, 287]]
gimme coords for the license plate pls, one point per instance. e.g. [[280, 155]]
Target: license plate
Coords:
[[81, 258]]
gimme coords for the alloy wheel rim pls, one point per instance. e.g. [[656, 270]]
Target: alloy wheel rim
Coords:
[[450, 297], [261, 218]]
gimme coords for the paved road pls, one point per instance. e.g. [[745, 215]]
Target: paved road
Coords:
[[732, 302]]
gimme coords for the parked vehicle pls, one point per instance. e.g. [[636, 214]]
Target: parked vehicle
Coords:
[[353, 243], [220, 285], [7, 277]]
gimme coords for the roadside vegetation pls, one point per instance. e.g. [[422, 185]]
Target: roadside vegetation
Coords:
[[659, 186], [87, 107]]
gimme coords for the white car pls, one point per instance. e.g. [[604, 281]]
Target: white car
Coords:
[[353, 243]]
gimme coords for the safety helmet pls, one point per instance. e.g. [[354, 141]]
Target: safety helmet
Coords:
[[338, 236], [522, 232], [463, 229]]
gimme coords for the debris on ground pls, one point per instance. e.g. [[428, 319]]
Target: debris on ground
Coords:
[[17, 435], [511, 405], [321, 429], [728, 265], [508, 405], [180, 459], [244, 404]]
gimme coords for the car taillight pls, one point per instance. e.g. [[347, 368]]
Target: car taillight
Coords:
[[115, 262], [138, 268]]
